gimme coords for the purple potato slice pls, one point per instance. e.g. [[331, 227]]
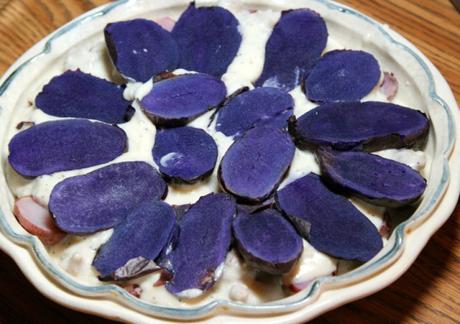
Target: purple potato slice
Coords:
[[267, 241], [204, 239], [255, 164], [370, 126], [373, 178], [141, 49], [81, 95], [184, 154], [342, 75], [103, 198], [261, 106], [294, 47], [330, 222], [64, 145], [208, 39], [178, 100], [136, 242]]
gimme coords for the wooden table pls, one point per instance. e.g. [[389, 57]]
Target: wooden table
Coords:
[[428, 292]]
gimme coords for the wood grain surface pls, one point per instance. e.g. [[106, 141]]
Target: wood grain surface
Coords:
[[428, 293]]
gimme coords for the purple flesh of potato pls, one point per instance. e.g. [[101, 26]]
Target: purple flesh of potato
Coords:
[[255, 164], [141, 49], [295, 45], [204, 240], [373, 178], [208, 39], [81, 95], [102, 199], [178, 100], [342, 75], [257, 107], [136, 242], [267, 241], [330, 222], [64, 145], [184, 154], [181, 210], [370, 126]]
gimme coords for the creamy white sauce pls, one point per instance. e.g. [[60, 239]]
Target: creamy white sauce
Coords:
[[237, 282]]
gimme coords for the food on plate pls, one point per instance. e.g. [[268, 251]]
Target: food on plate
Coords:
[[261, 106], [208, 39], [259, 93], [178, 100], [140, 48], [103, 198], [342, 75], [255, 164], [330, 222], [136, 242], [184, 154], [379, 181], [64, 145], [267, 241], [82, 95], [369, 125], [294, 47]]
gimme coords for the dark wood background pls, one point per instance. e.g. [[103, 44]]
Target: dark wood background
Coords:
[[429, 292]]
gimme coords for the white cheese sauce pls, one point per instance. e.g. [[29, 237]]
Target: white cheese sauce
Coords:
[[237, 283]]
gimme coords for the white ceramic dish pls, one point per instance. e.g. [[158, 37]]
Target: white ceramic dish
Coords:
[[393, 51]]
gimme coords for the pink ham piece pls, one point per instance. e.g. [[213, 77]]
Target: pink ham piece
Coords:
[[299, 286], [37, 220], [166, 22], [389, 86]]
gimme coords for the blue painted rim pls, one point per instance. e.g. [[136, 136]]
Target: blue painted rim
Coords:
[[276, 307]]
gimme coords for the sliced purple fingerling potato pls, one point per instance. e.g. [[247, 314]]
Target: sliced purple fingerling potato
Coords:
[[64, 145], [176, 101], [261, 106], [373, 178], [136, 242], [141, 49], [342, 75], [205, 235], [370, 126], [255, 164], [184, 154], [267, 241], [103, 198], [81, 95], [330, 222], [208, 39], [294, 47]]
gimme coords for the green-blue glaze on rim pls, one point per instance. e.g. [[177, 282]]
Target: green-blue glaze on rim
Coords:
[[281, 306]]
